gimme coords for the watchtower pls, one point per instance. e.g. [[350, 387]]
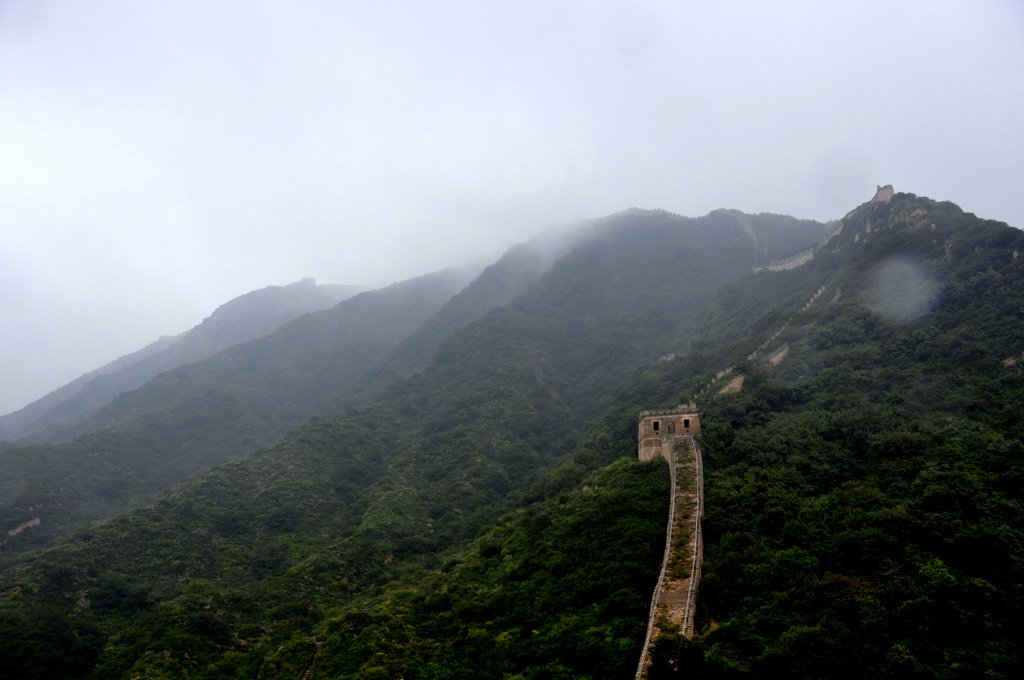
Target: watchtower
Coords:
[[657, 430], [883, 194]]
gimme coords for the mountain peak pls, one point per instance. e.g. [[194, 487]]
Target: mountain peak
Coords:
[[889, 211]]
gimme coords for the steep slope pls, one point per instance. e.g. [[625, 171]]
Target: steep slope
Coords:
[[203, 414], [498, 284], [555, 590], [240, 320], [864, 500], [865, 496], [320, 523], [291, 373]]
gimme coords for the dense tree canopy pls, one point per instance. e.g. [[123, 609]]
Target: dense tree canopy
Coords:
[[484, 517]]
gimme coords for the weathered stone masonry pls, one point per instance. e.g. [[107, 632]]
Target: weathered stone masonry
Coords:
[[670, 434], [657, 430]]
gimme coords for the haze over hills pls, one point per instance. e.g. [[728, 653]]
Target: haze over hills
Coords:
[[245, 318], [205, 413], [475, 509]]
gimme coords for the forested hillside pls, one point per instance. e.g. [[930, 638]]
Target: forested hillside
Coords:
[[320, 524], [485, 517], [865, 510], [205, 413], [864, 491]]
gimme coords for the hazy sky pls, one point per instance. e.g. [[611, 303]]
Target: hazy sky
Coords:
[[158, 158]]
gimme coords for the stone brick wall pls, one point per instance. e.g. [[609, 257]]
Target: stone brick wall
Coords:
[[657, 429]]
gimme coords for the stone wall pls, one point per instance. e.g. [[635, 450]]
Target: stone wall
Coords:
[[884, 194], [657, 430]]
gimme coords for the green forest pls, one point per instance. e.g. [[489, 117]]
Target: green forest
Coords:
[[478, 511]]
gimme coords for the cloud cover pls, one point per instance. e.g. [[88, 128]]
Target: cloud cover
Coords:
[[157, 159]]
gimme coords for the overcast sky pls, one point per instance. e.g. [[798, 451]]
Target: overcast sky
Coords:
[[158, 158]]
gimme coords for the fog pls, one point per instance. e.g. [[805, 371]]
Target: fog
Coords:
[[901, 290], [159, 158]]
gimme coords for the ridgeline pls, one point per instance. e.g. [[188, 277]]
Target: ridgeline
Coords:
[[483, 514]]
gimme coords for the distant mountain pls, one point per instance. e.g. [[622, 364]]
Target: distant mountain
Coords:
[[234, 571], [497, 285], [291, 373], [14, 424], [205, 413], [244, 318]]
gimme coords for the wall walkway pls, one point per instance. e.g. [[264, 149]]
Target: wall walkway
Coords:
[[674, 602]]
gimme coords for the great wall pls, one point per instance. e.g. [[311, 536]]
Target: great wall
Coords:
[[670, 435], [728, 380]]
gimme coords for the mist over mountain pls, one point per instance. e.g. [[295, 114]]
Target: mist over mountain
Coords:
[[245, 318], [467, 501], [434, 473], [205, 413]]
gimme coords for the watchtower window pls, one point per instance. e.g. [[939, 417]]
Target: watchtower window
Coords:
[[686, 423], [656, 425]]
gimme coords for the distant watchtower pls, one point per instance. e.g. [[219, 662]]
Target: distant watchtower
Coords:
[[657, 430], [883, 194]]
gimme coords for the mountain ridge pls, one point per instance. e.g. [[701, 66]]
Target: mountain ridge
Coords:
[[480, 516], [196, 416], [525, 378], [239, 320]]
